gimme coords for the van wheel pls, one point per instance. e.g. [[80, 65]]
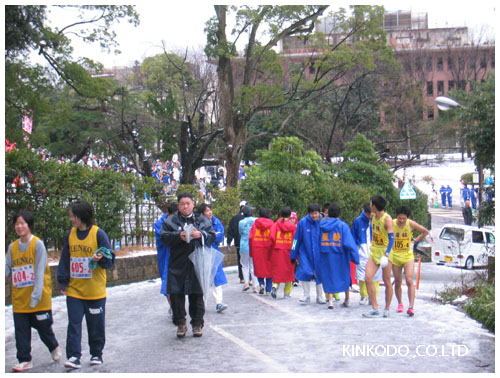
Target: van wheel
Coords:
[[469, 263]]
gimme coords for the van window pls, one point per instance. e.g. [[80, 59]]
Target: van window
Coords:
[[452, 233], [490, 238], [477, 237]]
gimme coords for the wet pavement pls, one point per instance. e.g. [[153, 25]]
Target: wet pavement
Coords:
[[265, 335]]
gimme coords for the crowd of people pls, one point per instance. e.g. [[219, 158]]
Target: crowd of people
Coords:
[[319, 248]]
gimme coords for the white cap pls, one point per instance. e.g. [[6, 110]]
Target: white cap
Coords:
[[243, 203]]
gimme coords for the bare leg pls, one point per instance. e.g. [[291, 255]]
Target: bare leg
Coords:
[[371, 269]]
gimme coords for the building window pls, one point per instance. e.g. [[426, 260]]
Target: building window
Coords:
[[483, 62], [430, 113], [418, 64], [439, 64], [451, 84], [472, 63], [430, 89], [428, 64], [440, 88], [461, 63], [451, 63]]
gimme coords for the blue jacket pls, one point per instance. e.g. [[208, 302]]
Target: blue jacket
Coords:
[[220, 277], [163, 253], [306, 248], [359, 227], [337, 250], [244, 227]]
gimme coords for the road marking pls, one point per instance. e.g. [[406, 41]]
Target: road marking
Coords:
[[257, 353]]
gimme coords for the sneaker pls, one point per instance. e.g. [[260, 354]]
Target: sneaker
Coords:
[[346, 303], [330, 305], [320, 300], [273, 292], [96, 360], [295, 283], [336, 296], [246, 287], [363, 301], [400, 308], [181, 330], [372, 314], [242, 281], [262, 289], [386, 313], [56, 354], [73, 363], [22, 366], [197, 332], [220, 307], [286, 296], [305, 300], [410, 312], [255, 290]]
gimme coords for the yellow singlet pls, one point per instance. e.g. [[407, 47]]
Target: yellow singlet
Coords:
[[380, 238], [23, 280], [85, 283], [401, 251]]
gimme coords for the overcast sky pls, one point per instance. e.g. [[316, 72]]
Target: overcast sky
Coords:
[[180, 24]]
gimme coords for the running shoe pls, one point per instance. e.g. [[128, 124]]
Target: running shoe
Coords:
[[56, 354], [410, 312], [255, 290], [386, 313], [197, 332], [220, 307], [305, 300], [273, 292], [261, 290], [363, 301], [181, 330], [96, 360], [23, 366], [346, 303], [320, 300], [330, 304], [372, 314], [400, 308], [246, 287], [73, 363], [286, 296]]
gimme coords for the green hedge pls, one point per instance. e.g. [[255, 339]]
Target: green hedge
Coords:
[[48, 188]]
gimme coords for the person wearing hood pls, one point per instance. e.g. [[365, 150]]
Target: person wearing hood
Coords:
[[362, 234], [260, 249], [282, 269], [220, 277], [181, 276], [244, 228], [337, 250], [305, 248]]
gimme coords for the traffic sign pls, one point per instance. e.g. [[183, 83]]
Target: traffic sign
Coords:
[[407, 192]]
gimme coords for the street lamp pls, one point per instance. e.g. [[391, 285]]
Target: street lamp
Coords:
[[445, 103]]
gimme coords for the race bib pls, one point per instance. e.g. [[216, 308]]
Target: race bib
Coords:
[[23, 276], [401, 245], [80, 267]]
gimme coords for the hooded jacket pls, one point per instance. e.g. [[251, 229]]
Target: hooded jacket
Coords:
[[282, 234], [337, 249], [220, 277], [260, 247], [244, 228], [362, 233], [305, 247]]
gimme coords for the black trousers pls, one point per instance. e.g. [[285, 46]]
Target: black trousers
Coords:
[[196, 308], [42, 322], [94, 312], [240, 268]]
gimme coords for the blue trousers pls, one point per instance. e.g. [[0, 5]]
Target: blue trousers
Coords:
[[42, 322], [269, 283], [94, 311]]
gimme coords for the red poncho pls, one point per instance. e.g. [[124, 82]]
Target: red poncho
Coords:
[[260, 247], [282, 234]]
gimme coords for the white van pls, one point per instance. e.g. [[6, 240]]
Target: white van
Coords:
[[464, 246]]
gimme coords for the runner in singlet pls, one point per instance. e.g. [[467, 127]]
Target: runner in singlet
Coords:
[[402, 255], [382, 242]]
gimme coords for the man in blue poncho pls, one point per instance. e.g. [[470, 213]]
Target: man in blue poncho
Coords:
[[163, 251], [306, 248], [337, 250]]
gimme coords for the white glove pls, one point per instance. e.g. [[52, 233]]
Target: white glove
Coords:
[[384, 261]]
